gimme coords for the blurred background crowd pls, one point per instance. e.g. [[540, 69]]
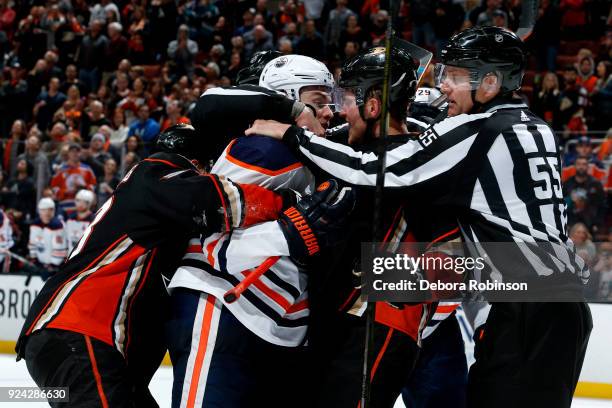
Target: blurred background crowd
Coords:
[[86, 85]]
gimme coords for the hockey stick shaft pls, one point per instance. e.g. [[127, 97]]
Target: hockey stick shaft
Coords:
[[233, 294]]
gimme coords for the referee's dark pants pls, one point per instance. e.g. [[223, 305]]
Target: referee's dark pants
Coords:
[[529, 355], [95, 373]]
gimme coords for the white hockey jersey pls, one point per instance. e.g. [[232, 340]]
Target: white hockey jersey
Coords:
[[75, 228], [6, 239], [48, 243], [275, 307]]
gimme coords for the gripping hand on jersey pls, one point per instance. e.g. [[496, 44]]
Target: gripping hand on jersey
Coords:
[[317, 220]]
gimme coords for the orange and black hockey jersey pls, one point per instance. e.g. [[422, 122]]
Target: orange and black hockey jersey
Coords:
[[112, 285]]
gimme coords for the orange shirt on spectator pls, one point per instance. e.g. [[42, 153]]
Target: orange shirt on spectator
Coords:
[[70, 179], [569, 171]]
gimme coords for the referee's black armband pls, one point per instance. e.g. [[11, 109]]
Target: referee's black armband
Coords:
[[293, 137]]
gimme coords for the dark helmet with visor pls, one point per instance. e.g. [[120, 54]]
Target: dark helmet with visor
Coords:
[[184, 140], [484, 51], [365, 71]]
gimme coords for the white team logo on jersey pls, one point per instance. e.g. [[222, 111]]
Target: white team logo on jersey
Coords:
[[524, 117]]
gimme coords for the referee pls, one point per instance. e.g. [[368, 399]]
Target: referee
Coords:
[[495, 166]]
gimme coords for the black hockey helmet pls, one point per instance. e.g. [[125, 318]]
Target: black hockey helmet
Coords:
[[485, 50], [184, 140], [366, 70], [250, 74]]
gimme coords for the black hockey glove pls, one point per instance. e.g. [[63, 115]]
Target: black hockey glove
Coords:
[[317, 221]]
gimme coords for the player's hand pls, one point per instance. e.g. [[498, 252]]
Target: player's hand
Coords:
[[309, 120], [269, 128], [317, 221]]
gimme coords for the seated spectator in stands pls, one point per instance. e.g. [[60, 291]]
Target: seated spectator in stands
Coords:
[[311, 42], [173, 115], [603, 267], [183, 50], [71, 177], [353, 32], [247, 23], [585, 197], [6, 241], [119, 128], [584, 148], [40, 165], [582, 239], [117, 49], [47, 102], [72, 78], [285, 47], [586, 74], [108, 182], [21, 192], [129, 161], [14, 146], [72, 110], [258, 39], [486, 18], [546, 102], [573, 98], [351, 49], [58, 136], [145, 127], [135, 99], [290, 33], [78, 220], [92, 121], [51, 59], [235, 65], [601, 99], [47, 244], [95, 155], [98, 11], [133, 144]]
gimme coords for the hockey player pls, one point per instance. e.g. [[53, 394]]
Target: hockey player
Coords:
[[78, 220], [97, 325], [6, 241], [495, 166], [47, 243], [258, 337]]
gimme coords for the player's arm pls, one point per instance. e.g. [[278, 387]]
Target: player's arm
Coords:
[[416, 164]]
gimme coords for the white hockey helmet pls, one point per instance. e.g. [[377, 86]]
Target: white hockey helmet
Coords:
[[46, 203], [85, 195], [290, 73]]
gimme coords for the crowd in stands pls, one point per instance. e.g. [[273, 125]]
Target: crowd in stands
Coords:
[[86, 85]]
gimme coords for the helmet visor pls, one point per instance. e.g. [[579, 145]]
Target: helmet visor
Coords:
[[458, 78], [343, 98]]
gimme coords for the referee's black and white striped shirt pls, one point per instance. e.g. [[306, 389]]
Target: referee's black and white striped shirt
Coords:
[[498, 170]]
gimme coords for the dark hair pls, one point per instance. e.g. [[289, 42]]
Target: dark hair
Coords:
[[570, 68]]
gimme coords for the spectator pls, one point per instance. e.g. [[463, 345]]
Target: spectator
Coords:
[[258, 39], [486, 17], [95, 156], [71, 73], [40, 164], [379, 28], [422, 14], [47, 103], [247, 22], [14, 102], [285, 47], [335, 24], [93, 120], [585, 197], [586, 76], [14, 146], [446, 21], [573, 98], [91, 55], [72, 110], [574, 18], [235, 65], [138, 21], [311, 43], [47, 243], [6, 241], [290, 33], [117, 49], [78, 220], [173, 115], [119, 129], [351, 49], [145, 127], [546, 102], [601, 99], [51, 59], [183, 50], [22, 191], [582, 239], [108, 182], [604, 268], [584, 148], [138, 52], [129, 161], [353, 32], [71, 177], [546, 35], [99, 11]]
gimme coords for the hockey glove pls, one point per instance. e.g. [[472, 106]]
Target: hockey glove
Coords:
[[316, 221]]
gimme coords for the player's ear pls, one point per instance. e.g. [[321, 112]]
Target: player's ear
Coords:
[[373, 108], [490, 85]]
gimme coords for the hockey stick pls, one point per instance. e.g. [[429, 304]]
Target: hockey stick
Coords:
[[233, 294], [26, 262], [529, 15]]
